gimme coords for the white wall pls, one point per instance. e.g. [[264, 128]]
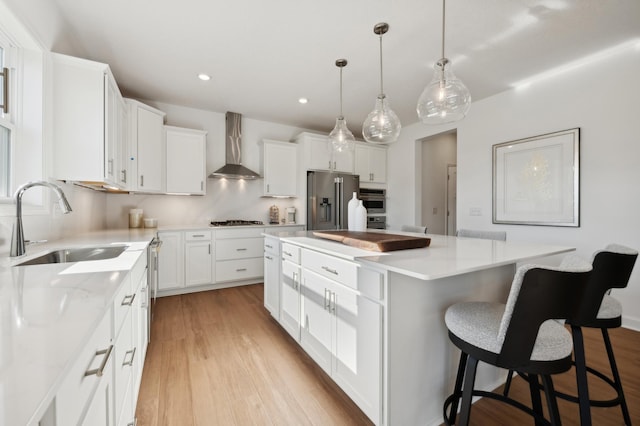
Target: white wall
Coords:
[[225, 198], [602, 99]]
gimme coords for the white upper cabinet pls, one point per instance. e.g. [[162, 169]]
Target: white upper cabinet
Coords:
[[371, 163], [146, 146], [280, 168], [186, 160], [317, 156], [87, 121]]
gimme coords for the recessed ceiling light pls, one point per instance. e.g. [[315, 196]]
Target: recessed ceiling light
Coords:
[[204, 77], [303, 100]]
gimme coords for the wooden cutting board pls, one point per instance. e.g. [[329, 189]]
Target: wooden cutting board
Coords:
[[375, 241]]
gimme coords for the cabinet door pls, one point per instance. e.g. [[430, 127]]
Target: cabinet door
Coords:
[[280, 168], [290, 298], [198, 262], [272, 276], [112, 130], [316, 333], [186, 160], [361, 163], [100, 409], [378, 164], [171, 261], [150, 151], [357, 349], [124, 155]]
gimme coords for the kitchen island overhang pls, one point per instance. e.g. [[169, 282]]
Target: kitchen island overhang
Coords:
[[418, 364]]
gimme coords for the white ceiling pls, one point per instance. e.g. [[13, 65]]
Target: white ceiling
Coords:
[[264, 55]]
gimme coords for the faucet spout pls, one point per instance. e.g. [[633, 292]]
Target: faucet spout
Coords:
[[17, 236]]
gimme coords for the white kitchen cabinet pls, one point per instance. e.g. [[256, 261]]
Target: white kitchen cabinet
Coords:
[[317, 156], [124, 147], [186, 160], [272, 276], [280, 168], [198, 258], [290, 290], [239, 254], [371, 163], [100, 409], [146, 146], [342, 328], [86, 120], [171, 260]]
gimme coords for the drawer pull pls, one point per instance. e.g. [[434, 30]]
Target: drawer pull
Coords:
[[98, 371], [286, 253], [197, 235], [130, 361], [241, 270], [241, 249], [327, 299], [329, 270], [128, 300], [268, 257], [268, 246]]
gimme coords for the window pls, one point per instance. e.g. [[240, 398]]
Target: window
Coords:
[[5, 120]]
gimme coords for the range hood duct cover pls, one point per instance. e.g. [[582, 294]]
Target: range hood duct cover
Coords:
[[233, 169]]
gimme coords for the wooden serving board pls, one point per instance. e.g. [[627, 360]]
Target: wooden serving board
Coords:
[[375, 241]]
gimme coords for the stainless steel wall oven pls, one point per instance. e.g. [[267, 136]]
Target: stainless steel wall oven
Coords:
[[374, 200]]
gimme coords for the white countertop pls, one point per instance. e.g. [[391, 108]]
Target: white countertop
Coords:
[[47, 313], [446, 256]]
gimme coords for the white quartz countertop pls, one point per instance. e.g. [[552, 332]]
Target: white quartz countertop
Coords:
[[446, 256], [47, 314]]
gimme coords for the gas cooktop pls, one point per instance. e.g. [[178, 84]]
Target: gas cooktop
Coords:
[[236, 222]]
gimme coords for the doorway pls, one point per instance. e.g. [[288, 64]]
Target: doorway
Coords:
[[438, 206]]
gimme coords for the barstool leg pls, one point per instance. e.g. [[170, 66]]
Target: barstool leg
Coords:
[[616, 376], [536, 401], [457, 391], [467, 392], [507, 384], [552, 403], [581, 376]]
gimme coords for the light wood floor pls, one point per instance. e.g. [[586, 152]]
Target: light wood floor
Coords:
[[218, 358]]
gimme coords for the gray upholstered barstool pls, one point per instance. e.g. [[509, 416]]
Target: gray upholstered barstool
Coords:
[[612, 268], [522, 335], [488, 235]]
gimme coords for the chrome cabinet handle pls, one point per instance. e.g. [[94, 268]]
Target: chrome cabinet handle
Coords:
[[100, 370], [5, 90], [332, 298], [295, 281], [268, 257], [268, 188], [286, 253], [241, 249], [128, 300], [197, 236], [141, 180], [201, 186], [110, 166], [241, 269], [130, 362], [329, 270], [268, 246], [326, 299]]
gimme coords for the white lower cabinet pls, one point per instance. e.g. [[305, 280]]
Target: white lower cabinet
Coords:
[[272, 276], [171, 260], [341, 327], [290, 290], [239, 254], [198, 258]]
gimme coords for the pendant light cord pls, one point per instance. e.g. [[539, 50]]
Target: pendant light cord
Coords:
[[443, 1], [381, 88], [341, 93]]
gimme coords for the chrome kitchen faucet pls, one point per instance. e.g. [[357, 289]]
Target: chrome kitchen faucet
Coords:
[[17, 236]]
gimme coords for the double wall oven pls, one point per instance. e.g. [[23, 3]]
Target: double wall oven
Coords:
[[375, 200]]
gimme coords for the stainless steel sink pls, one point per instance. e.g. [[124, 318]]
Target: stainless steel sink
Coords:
[[76, 255]]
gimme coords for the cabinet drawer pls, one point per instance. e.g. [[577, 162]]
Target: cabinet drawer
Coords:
[[77, 388], [222, 234], [122, 304], [239, 248], [338, 270], [242, 269], [291, 253], [272, 246], [197, 235]]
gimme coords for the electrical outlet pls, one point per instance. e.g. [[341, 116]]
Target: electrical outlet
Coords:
[[435, 210], [475, 211]]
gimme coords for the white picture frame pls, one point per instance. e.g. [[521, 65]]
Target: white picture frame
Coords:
[[536, 180]]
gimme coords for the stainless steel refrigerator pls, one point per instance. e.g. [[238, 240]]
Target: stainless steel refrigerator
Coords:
[[327, 196]]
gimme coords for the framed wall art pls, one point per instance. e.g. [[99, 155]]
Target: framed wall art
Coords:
[[536, 181]]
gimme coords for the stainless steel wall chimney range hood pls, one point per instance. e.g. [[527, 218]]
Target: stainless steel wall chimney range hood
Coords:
[[233, 147]]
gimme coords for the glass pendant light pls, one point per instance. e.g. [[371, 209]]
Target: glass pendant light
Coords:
[[382, 125], [446, 98], [341, 139]]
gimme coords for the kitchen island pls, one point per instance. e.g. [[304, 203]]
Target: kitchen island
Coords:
[[375, 321], [50, 312]]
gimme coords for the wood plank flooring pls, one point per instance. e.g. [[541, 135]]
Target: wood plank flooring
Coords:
[[218, 358]]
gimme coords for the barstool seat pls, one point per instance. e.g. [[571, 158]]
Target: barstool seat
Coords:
[[524, 335]]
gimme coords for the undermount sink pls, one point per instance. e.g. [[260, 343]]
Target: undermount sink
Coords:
[[76, 255]]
